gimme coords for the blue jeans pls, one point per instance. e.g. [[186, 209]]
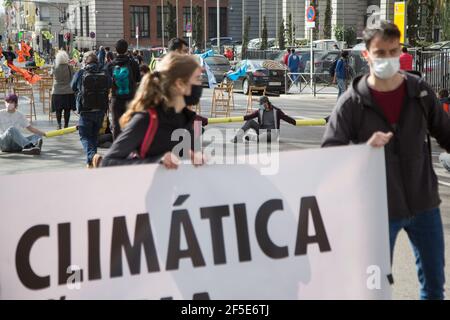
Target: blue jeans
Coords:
[[342, 86], [88, 127], [426, 235], [12, 140]]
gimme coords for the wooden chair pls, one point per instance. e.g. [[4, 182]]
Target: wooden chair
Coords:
[[27, 92], [228, 85], [251, 90], [4, 86], [45, 94], [221, 102]]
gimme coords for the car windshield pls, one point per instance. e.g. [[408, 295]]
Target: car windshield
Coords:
[[217, 60]]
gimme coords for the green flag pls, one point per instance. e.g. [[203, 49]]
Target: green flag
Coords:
[[47, 35], [75, 54]]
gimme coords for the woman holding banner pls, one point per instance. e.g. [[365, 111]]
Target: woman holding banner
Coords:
[[157, 110]]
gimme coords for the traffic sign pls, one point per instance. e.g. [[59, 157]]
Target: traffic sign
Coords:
[[188, 27], [92, 35], [311, 14]]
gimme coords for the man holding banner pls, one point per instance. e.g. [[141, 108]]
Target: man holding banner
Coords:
[[397, 110]]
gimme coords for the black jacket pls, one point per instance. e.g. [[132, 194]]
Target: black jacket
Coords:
[[279, 115], [132, 136], [411, 181], [121, 60]]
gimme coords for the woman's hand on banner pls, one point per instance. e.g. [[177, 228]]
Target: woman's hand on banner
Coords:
[[170, 161]]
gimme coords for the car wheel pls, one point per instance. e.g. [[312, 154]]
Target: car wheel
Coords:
[[245, 87]]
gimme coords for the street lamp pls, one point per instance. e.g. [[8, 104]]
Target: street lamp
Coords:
[[204, 20], [191, 27], [162, 22], [218, 26]]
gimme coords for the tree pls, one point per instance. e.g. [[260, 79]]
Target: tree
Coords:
[[171, 26], [245, 37], [327, 22], [264, 35], [430, 5], [281, 39], [413, 21], [7, 3], [445, 21], [198, 26], [345, 34], [289, 30]]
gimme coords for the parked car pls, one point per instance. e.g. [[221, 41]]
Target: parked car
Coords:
[[223, 41], [219, 66], [261, 73], [325, 44], [439, 45]]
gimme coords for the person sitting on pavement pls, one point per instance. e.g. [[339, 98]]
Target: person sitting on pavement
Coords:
[[269, 118], [12, 122]]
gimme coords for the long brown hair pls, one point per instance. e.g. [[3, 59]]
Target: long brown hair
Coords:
[[156, 87]]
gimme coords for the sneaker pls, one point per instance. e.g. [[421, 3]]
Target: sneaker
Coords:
[[97, 160], [34, 151], [58, 127], [39, 143]]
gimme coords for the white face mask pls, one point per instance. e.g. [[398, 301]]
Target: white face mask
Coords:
[[385, 68], [10, 107]]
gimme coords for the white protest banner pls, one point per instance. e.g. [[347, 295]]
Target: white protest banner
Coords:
[[315, 230]]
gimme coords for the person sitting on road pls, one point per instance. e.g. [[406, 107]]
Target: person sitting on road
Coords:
[[269, 118], [11, 123]]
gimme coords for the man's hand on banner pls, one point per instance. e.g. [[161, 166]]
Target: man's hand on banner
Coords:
[[380, 139]]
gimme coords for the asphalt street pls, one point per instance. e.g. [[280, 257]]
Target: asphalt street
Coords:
[[65, 153]]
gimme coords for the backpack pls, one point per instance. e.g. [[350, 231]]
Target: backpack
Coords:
[[123, 81], [150, 134], [332, 69], [94, 91]]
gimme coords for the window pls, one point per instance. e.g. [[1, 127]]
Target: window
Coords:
[[186, 19], [212, 22], [159, 21], [44, 13], [139, 17], [87, 21], [81, 21]]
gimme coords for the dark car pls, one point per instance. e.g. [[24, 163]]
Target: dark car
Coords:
[[219, 65], [261, 73]]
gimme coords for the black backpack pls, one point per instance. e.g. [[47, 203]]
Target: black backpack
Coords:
[[94, 91], [332, 69]]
